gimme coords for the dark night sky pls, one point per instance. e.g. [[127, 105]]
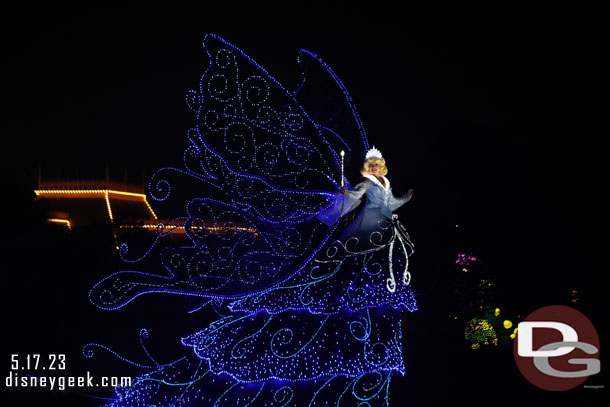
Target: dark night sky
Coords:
[[495, 122]]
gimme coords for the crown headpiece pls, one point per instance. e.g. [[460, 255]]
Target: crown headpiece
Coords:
[[373, 153]]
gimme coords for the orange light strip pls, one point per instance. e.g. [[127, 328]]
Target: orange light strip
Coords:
[[133, 194], [108, 206], [214, 228], [65, 222], [150, 208], [105, 192], [69, 191]]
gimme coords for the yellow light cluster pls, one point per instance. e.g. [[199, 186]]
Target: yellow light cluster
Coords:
[[488, 283], [480, 332]]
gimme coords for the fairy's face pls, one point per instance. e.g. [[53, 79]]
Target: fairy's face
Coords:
[[374, 168]]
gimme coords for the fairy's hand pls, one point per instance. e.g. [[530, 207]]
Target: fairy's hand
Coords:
[[408, 195], [343, 190]]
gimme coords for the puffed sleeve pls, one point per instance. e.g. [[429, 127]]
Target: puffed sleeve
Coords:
[[344, 204], [395, 203], [359, 190]]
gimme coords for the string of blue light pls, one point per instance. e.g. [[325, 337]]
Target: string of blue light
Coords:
[[303, 322]]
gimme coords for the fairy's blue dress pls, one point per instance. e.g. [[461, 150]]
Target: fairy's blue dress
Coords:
[[370, 226], [336, 319], [312, 299]]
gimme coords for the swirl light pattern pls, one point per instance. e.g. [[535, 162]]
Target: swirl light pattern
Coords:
[[313, 321]]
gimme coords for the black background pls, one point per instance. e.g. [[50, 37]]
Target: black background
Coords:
[[494, 117]]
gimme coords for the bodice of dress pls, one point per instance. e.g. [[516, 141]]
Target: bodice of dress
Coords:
[[380, 200], [379, 196]]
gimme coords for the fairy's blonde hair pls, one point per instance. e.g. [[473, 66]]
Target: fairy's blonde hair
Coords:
[[383, 170]]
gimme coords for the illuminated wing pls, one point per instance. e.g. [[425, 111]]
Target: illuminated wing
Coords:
[[325, 98], [273, 166]]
